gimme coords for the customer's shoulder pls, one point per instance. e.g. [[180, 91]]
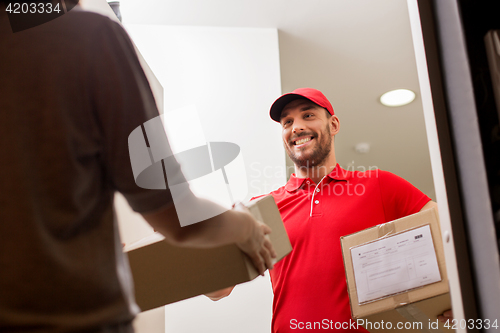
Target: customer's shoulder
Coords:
[[87, 22]]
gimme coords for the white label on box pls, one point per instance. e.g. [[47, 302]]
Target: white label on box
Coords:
[[395, 264]]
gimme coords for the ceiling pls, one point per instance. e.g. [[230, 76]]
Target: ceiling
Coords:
[[352, 50]]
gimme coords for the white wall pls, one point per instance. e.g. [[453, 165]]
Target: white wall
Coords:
[[231, 77]]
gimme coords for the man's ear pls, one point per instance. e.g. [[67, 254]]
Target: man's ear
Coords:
[[334, 125]]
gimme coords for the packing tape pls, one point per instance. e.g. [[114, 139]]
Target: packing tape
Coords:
[[413, 314], [256, 213], [401, 299], [386, 229]]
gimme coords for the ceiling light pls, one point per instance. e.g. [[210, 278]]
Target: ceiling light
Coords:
[[397, 97], [362, 148]]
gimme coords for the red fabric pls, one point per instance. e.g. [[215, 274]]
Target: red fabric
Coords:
[[311, 94], [309, 284]]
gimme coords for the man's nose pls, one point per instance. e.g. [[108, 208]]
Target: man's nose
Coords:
[[298, 126]]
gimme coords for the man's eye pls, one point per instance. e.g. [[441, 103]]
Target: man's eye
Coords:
[[308, 115], [286, 122]]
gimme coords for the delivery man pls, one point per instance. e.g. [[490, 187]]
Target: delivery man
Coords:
[[320, 203]]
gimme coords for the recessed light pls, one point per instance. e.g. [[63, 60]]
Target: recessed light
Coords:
[[398, 97], [362, 148]]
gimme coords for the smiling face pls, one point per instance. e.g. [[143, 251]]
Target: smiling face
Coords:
[[308, 132]]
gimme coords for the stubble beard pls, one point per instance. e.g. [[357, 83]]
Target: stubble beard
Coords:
[[319, 154]]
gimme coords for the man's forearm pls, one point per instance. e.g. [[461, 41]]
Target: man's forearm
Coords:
[[222, 229], [230, 227]]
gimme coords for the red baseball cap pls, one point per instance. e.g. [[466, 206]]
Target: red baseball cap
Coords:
[[311, 94]]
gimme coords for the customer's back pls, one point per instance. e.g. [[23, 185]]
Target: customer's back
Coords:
[[71, 91]]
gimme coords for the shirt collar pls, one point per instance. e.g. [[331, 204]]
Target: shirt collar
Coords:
[[337, 174], [340, 174]]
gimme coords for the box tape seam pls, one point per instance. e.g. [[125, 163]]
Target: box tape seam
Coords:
[[413, 314], [256, 213], [386, 229]]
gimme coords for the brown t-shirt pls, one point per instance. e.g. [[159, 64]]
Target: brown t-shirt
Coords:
[[71, 91]]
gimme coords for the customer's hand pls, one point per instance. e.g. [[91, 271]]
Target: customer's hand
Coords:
[[257, 244]]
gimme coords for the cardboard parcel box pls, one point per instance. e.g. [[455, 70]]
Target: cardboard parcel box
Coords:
[[165, 273], [396, 273]]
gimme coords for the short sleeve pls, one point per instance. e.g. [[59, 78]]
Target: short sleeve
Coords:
[[400, 198], [122, 101]]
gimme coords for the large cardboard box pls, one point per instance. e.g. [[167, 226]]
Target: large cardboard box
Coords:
[[164, 273], [396, 274]]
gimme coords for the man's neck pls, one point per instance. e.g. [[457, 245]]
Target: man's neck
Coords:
[[315, 173]]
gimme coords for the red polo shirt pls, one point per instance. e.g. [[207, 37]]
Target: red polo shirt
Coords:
[[309, 284]]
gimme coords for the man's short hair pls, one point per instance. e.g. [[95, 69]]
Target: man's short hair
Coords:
[[328, 114]]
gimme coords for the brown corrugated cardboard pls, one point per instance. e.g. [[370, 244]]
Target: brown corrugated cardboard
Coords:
[[425, 302], [164, 273], [412, 318]]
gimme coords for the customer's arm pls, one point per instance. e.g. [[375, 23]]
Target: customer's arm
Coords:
[[230, 227]]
